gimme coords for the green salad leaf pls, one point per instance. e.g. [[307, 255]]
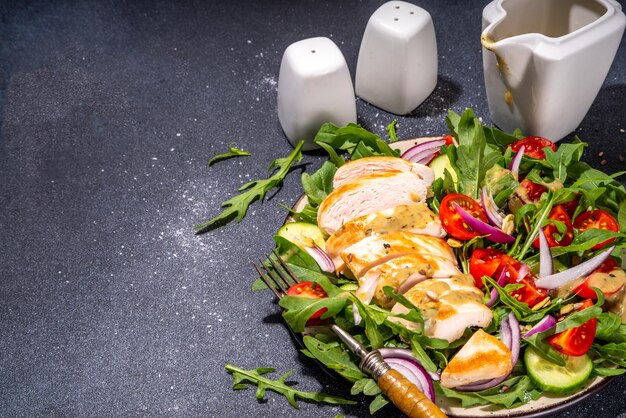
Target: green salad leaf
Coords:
[[232, 152], [237, 206], [257, 377]]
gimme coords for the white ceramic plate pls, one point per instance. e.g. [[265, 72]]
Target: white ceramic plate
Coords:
[[546, 406]]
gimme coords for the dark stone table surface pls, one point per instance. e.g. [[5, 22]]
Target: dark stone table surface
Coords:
[[109, 112]]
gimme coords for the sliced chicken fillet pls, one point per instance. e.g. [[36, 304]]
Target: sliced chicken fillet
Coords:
[[401, 274], [368, 165], [448, 306], [483, 357], [368, 194], [416, 218], [375, 250]]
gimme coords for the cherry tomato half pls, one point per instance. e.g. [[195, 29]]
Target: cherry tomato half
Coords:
[[575, 341], [452, 221], [606, 278], [596, 219], [533, 190], [484, 262], [529, 294], [309, 290], [558, 213], [533, 146]]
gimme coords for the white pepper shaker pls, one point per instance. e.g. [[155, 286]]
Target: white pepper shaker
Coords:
[[397, 66], [314, 87]]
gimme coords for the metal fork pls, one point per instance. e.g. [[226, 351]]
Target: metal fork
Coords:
[[278, 280], [404, 394]]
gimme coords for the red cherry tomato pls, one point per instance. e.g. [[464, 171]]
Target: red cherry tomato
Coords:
[[484, 262], [558, 213], [452, 221], [602, 278], [533, 190], [575, 341], [598, 219], [529, 294], [309, 290], [533, 146], [570, 207]]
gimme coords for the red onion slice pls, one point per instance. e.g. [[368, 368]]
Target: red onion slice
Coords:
[[545, 256], [490, 207], [432, 146], [583, 269], [545, 324], [406, 354], [491, 233], [505, 332], [322, 259], [515, 337], [517, 160]]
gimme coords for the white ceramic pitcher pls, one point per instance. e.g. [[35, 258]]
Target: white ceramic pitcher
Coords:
[[544, 61]]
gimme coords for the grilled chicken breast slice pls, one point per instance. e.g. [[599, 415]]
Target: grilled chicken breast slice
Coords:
[[368, 165], [375, 250], [368, 194], [401, 274], [416, 218], [483, 357], [448, 306]]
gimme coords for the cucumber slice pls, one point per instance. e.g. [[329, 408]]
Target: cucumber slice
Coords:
[[440, 164], [350, 287], [303, 234], [553, 378]]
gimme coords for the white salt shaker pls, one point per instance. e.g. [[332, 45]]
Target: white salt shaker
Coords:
[[314, 87], [397, 66]]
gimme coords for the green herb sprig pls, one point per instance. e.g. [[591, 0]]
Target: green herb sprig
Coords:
[[232, 153], [255, 377], [237, 206]]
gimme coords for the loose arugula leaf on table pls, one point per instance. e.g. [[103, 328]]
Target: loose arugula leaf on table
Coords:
[[232, 152], [237, 206], [256, 377], [391, 131]]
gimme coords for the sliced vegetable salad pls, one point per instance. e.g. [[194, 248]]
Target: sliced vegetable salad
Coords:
[[541, 233]]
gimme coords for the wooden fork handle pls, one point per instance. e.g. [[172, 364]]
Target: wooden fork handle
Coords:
[[407, 397]]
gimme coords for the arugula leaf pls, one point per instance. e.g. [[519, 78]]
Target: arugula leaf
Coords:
[[349, 137], [474, 158], [366, 386], [378, 403], [608, 327], [520, 390], [237, 206], [232, 152], [391, 131], [298, 309], [280, 386], [333, 356], [563, 157]]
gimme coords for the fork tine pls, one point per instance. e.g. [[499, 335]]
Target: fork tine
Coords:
[[279, 271], [284, 265], [267, 282], [275, 277]]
